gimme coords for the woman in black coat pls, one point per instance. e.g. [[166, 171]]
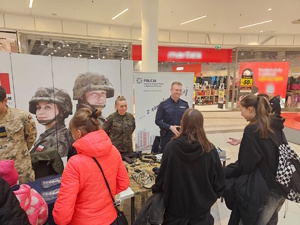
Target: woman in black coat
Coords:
[[191, 176], [11, 212], [259, 152]]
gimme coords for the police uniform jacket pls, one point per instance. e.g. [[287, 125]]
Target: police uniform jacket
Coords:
[[17, 135], [119, 129], [170, 113]]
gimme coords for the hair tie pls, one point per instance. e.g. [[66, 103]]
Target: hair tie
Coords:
[[93, 115]]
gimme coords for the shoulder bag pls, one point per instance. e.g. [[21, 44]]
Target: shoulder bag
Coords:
[[121, 219]]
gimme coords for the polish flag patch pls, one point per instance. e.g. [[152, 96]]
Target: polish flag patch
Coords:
[[40, 148]]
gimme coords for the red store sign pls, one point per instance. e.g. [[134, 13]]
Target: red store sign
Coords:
[[182, 54]]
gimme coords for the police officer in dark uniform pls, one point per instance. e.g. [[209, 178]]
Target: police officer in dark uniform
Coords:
[[169, 115]]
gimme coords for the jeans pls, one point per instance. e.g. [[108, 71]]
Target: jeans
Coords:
[[268, 214]]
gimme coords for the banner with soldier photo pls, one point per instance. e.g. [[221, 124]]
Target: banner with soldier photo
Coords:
[[150, 90], [53, 88]]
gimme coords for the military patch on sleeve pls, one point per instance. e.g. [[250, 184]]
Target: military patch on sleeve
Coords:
[[3, 132]]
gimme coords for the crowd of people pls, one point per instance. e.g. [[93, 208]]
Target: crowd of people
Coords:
[[191, 177]]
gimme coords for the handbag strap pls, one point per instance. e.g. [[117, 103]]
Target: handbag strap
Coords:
[[96, 161]]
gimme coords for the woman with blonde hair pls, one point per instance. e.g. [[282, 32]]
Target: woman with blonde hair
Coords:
[[191, 175], [83, 197], [120, 125]]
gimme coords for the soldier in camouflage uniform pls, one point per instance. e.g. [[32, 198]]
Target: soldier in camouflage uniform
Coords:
[[52, 106], [119, 126], [17, 135], [91, 91]]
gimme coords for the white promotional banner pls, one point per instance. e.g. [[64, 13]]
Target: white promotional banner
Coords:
[[45, 87], [111, 70], [150, 90], [6, 78], [29, 73], [65, 72], [127, 82]]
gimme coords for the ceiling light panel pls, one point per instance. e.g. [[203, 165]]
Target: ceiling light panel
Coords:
[[198, 18], [255, 24], [120, 14]]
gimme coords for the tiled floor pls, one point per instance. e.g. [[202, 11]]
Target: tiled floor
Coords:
[[219, 126]]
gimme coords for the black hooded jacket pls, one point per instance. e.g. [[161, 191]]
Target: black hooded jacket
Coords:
[[11, 212], [191, 181], [256, 169], [255, 150]]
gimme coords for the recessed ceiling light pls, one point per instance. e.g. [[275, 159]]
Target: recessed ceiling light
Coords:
[[103, 57], [269, 9], [255, 24], [198, 18], [119, 14], [261, 31], [69, 54]]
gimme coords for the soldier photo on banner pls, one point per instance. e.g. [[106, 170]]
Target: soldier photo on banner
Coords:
[[51, 107], [91, 91]]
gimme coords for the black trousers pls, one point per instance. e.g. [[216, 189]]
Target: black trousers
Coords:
[[164, 141]]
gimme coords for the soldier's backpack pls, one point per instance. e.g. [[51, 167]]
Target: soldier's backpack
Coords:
[[288, 171]]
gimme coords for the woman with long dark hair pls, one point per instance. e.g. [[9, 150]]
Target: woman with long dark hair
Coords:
[[191, 175], [258, 151]]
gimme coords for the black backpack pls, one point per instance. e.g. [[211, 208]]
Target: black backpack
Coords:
[[288, 171]]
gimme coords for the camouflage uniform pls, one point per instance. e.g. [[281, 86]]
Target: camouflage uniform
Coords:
[[57, 137], [20, 135], [91, 82], [119, 129]]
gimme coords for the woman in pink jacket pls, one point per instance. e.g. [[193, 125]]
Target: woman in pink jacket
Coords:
[[83, 197]]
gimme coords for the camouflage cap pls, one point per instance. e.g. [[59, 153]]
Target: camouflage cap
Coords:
[[53, 95], [91, 82]]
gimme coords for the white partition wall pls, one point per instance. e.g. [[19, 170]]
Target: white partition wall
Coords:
[[150, 90], [6, 78]]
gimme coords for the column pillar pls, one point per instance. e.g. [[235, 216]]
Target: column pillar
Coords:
[[149, 35]]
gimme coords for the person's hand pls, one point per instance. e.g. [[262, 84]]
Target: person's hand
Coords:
[[174, 129], [234, 141]]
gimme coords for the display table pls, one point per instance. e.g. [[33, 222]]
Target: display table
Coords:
[[37, 185]]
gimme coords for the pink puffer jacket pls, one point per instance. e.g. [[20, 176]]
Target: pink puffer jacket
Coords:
[[33, 204]]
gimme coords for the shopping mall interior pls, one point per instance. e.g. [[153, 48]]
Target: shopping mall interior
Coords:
[[215, 41]]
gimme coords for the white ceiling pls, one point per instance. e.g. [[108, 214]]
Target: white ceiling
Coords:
[[223, 16]]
